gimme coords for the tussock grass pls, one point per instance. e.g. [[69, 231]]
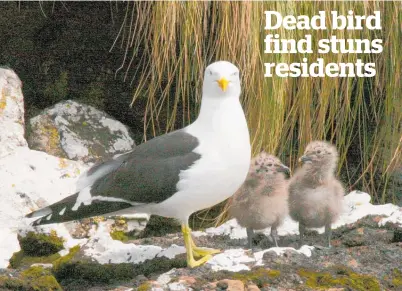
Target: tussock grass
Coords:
[[169, 44]]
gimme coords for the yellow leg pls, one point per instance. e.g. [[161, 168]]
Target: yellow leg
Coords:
[[188, 242]]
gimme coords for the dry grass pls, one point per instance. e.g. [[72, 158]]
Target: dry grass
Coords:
[[169, 44]]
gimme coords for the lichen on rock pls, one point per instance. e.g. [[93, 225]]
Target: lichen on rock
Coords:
[[342, 277], [78, 132], [34, 278]]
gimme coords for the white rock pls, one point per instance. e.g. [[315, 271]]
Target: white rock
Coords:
[[172, 251], [104, 249], [11, 113], [356, 198], [46, 266], [395, 217], [79, 132], [305, 250], [165, 278], [177, 286], [29, 180], [231, 260]]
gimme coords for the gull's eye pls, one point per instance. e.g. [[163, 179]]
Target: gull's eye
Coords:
[[235, 74], [210, 73]]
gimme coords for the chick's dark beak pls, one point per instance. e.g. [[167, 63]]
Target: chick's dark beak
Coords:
[[304, 159], [282, 168]]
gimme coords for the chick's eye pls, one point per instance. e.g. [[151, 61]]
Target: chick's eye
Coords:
[[269, 165], [318, 152]]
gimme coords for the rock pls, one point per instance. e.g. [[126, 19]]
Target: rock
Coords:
[[397, 236], [122, 288], [222, 284], [78, 132], [230, 285], [252, 287], [188, 280], [153, 285], [178, 286], [44, 266], [30, 180], [141, 278], [353, 264], [287, 257], [354, 238], [11, 113]]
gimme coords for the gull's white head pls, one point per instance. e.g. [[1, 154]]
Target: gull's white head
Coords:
[[221, 79]]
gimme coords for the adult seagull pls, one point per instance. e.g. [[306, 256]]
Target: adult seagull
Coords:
[[173, 175]]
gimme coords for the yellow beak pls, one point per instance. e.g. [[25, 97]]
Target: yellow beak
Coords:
[[223, 83]]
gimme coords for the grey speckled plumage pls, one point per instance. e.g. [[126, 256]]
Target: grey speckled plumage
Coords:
[[261, 202], [315, 194]]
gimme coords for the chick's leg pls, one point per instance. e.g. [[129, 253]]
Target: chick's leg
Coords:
[[250, 236], [302, 230], [328, 233], [274, 235]]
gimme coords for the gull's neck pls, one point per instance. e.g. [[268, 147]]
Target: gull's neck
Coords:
[[221, 115]]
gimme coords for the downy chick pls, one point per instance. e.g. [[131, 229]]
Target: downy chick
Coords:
[[315, 194], [262, 200]]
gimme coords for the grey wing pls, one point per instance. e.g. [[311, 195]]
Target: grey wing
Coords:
[[100, 170], [149, 174]]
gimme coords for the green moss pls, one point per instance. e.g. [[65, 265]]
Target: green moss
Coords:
[[20, 259], [58, 90], [34, 278], [94, 94], [11, 283], [39, 244], [119, 235], [259, 276], [144, 287], [94, 273], [395, 279], [343, 277], [40, 279], [160, 226], [65, 259]]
